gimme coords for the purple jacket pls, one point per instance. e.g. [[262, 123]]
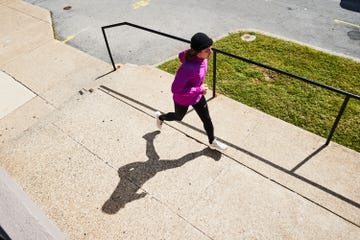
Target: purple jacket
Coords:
[[187, 86]]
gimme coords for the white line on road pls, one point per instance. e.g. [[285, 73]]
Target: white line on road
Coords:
[[347, 23]]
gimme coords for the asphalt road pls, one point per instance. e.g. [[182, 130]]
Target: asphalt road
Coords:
[[322, 24]]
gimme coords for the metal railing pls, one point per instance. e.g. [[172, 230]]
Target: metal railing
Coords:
[[216, 51]]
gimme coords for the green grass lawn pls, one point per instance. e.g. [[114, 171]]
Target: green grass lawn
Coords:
[[291, 100]]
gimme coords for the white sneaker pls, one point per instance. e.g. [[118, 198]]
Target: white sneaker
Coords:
[[216, 145], [158, 121]]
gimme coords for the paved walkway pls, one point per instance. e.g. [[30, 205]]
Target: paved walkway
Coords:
[[85, 153]]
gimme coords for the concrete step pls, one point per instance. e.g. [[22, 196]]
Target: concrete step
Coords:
[[291, 156], [171, 185]]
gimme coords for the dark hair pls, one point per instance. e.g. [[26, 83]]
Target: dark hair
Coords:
[[190, 54]]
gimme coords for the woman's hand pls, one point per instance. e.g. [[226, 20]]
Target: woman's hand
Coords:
[[205, 88]]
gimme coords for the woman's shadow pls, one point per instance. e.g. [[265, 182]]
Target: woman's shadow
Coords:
[[134, 175]]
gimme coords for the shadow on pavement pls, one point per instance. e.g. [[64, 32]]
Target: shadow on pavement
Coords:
[[134, 175], [292, 173], [3, 234], [354, 35]]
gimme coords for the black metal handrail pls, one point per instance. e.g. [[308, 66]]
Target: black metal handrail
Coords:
[[139, 27], [215, 51]]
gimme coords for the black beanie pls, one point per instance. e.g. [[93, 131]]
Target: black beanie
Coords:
[[200, 41]]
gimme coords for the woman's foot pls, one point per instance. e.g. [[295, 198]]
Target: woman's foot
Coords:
[[216, 145], [158, 121]]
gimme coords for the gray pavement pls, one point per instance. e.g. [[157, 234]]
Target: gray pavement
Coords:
[[322, 24], [86, 152]]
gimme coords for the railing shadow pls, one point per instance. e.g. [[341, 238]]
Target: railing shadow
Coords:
[[308, 158], [134, 175], [292, 173], [3, 234]]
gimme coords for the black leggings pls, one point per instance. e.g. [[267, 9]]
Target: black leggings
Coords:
[[201, 109]]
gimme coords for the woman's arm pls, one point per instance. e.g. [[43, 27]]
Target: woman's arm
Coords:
[[181, 83]]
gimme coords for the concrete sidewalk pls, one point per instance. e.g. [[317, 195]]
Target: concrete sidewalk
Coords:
[[86, 151]]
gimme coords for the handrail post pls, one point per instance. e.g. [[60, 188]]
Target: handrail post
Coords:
[[214, 74], [342, 109], [108, 48]]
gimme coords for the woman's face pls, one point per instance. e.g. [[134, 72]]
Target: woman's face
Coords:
[[204, 53]]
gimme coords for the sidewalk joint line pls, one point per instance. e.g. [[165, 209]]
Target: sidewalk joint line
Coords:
[[182, 217], [26, 14], [83, 146], [295, 192], [36, 94], [27, 52]]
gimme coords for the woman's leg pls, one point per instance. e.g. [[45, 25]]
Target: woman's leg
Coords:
[[178, 115], [202, 110]]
